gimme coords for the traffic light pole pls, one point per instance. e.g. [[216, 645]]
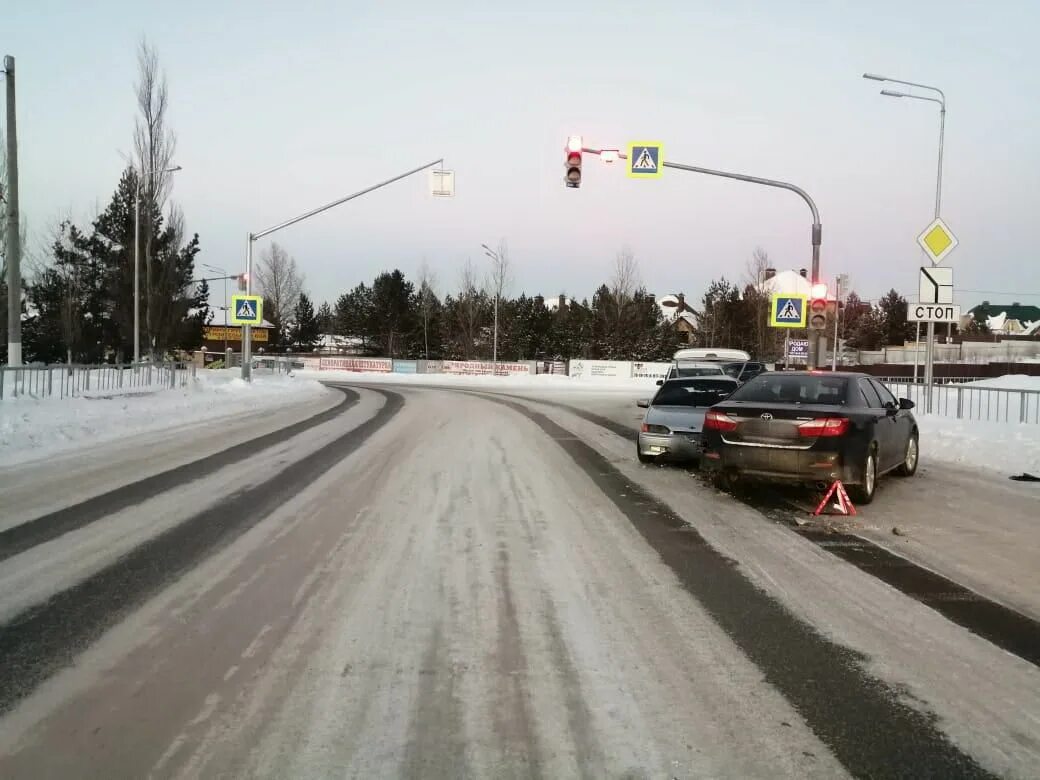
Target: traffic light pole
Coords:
[[817, 228], [247, 331]]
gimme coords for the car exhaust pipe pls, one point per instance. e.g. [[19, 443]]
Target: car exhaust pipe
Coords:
[[821, 485]]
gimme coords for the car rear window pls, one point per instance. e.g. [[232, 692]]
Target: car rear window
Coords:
[[776, 388], [705, 392], [702, 371]]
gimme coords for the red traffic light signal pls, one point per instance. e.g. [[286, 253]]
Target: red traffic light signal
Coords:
[[573, 162], [818, 307]]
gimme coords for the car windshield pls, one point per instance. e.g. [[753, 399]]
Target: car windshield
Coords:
[[705, 392], [795, 389]]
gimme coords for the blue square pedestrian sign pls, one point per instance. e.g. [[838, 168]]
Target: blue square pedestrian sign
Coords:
[[247, 310], [645, 159], [787, 311]]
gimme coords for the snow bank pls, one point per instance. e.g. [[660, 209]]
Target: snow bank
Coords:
[[1009, 448], [30, 428], [1008, 382]]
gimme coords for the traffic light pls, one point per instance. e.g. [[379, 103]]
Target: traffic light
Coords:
[[573, 163], [243, 282], [818, 307]]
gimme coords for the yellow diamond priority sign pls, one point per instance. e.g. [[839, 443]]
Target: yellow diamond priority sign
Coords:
[[937, 241]]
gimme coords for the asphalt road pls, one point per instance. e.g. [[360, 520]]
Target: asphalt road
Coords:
[[427, 583]]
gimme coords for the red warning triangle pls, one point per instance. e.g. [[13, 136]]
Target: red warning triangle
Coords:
[[841, 497]]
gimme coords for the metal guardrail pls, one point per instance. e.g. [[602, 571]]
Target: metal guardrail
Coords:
[[78, 380], [970, 402]]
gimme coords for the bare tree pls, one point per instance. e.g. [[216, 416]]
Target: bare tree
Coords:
[[756, 295], [469, 306], [427, 296], [279, 281], [500, 275], [623, 284], [154, 146]]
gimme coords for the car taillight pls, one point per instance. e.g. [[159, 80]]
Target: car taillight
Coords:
[[655, 429], [718, 421], [824, 426]]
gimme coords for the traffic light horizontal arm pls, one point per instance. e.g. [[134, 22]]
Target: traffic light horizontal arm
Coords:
[[817, 237]]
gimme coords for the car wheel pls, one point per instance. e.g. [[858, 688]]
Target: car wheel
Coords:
[[864, 492], [913, 454]]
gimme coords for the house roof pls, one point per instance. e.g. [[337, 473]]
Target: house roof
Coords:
[[790, 282], [1015, 311]]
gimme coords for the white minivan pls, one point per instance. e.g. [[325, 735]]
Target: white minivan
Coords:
[[708, 361]]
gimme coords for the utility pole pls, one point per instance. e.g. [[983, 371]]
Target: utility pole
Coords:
[[14, 238], [498, 290]]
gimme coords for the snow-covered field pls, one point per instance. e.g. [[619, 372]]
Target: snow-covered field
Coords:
[[35, 428]]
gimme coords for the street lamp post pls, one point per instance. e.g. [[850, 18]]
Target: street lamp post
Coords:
[[137, 261], [941, 100], [222, 272], [494, 342], [251, 238]]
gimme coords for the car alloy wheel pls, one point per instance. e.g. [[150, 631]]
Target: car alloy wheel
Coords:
[[909, 464], [864, 492]]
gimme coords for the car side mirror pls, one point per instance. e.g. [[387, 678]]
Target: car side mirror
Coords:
[[643, 403], [906, 403], [660, 382], [890, 407]]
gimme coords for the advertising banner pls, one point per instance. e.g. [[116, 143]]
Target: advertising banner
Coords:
[[474, 367], [377, 365], [650, 370], [406, 366], [601, 369]]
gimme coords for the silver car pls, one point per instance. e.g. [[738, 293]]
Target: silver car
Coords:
[[674, 419]]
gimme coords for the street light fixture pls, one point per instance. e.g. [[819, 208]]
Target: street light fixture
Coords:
[[137, 260], [941, 100], [494, 343]]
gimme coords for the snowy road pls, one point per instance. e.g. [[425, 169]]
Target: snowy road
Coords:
[[422, 582]]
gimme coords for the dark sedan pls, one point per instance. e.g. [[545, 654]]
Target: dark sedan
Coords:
[[812, 427]]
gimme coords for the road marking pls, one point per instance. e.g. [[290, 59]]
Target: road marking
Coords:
[[250, 651]]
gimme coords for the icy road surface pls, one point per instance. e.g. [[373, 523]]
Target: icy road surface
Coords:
[[419, 582]]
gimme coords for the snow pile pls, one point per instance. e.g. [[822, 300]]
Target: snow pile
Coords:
[[1008, 382], [1009, 448], [31, 428]]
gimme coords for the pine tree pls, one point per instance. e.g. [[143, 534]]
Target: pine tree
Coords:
[[306, 330], [391, 313], [276, 335], [893, 310], [325, 318], [868, 332]]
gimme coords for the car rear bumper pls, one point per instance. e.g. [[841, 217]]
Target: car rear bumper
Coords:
[[675, 446], [779, 464]]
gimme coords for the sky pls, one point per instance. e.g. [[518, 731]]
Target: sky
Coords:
[[281, 107]]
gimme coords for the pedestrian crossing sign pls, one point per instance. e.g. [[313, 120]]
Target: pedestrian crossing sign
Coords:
[[787, 311], [645, 159], [247, 310]]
